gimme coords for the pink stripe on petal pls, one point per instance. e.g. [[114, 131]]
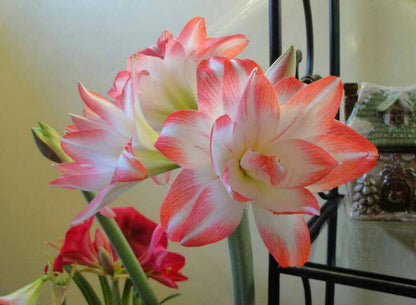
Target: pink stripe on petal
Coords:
[[213, 217], [179, 201], [312, 110], [258, 114], [193, 35], [236, 75], [355, 159], [284, 66], [285, 236], [209, 84], [286, 88]]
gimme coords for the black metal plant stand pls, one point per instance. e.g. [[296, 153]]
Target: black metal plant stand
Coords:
[[329, 273]]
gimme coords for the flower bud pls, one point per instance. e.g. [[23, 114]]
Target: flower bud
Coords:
[[106, 261], [48, 141], [27, 295]]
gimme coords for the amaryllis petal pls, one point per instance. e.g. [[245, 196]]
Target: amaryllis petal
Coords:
[[162, 179], [94, 146], [84, 124], [239, 185], [179, 200], [236, 75], [286, 88], [82, 176], [287, 201], [284, 66], [106, 110], [27, 295], [104, 197], [226, 46], [137, 229], [304, 163], [311, 111], [213, 217], [257, 119], [221, 140], [355, 157], [286, 236], [194, 34], [78, 248], [184, 139], [118, 85], [209, 84], [128, 167]]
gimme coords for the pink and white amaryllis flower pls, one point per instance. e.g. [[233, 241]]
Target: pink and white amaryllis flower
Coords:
[[243, 146], [112, 144]]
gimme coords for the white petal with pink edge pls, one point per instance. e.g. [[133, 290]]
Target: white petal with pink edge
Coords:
[[214, 216], [354, 160], [83, 176], [179, 200], [312, 110], [284, 66], [107, 111], [258, 114], [286, 88], [236, 75], [94, 146], [285, 236], [185, 139], [226, 46], [287, 201], [220, 143], [304, 163]]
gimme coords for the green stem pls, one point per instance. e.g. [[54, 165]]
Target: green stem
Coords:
[[127, 293], [126, 255], [105, 287], [85, 287], [241, 260], [116, 293]]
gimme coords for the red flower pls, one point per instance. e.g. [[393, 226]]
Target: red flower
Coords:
[[147, 239]]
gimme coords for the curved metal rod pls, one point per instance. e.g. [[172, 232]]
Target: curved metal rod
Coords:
[[309, 36], [307, 290]]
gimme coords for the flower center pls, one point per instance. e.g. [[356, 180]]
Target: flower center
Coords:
[[263, 168]]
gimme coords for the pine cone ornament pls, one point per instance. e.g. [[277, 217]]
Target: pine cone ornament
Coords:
[[365, 196]]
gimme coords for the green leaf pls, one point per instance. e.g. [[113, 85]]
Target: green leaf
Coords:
[[172, 296], [85, 287], [105, 287]]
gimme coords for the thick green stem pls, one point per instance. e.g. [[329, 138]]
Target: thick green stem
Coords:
[[241, 259], [126, 255]]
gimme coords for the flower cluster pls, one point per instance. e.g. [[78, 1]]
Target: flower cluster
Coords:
[[242, 137], [147, 240]]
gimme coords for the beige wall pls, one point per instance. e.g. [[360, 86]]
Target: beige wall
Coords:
[[47, 46]]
